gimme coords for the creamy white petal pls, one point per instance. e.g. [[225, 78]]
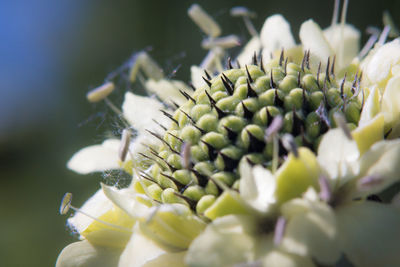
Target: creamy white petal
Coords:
[[225, 242], [125, 199], [168, 89], [370, 233], [84, 254], [141, 110], [379, 66], [311, 230], [346, 39], [257, 187], [95, 206], [276, 34], [196, 76], [141, 250], [381, 160], [391, 101], [96, 158], [371, 107], [283, 259], [338, 156], [313, 39], [246, 56]]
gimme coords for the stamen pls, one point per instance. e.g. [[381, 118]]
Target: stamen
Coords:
[[384, 35], [335, 13], [205, 22], [125, 142], [273, 128], [66, 206], [100, 92], [246, 15], [369, 182], [225, 42], [281, 56], [186, 155], [325, 193], [280, 227]]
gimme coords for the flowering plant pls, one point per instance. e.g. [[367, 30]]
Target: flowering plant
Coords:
[[276, 160]]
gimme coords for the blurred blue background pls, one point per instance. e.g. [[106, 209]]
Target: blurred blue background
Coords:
[[53, 52]]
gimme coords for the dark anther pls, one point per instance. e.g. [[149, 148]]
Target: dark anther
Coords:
[[170, 167], [188, 116], [327, 70], [249, 161], [207, 75], [333, 66], [147, 177], [271, 81], [227, 84], [303, 62], [230, 63], [174, 105], [162, 140], [178, 184], [213, 104], [246, 112], [285, 67], [212, 152], [255, 145], [281, 57], [169, 116], [255, 58], [277, 101], [308, 59], [176, 137], [231, 134], [354, 84], [192, 203], [262, 64], [201, 178], [387, 133], [250, 90], [159, 124], [187, 96], [192, 86], [230, 163], [305, 105], [248, 75], [299, 79], [375, 198], [297, 123], [207, 81], [342, 86], [238, 64], [318, 72]]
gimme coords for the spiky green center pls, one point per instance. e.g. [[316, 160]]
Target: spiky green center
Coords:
[[224, 124]]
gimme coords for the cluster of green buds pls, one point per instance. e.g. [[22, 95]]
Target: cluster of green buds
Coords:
[[255, 113]]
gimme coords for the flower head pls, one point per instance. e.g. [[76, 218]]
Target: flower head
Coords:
[[264, 162]]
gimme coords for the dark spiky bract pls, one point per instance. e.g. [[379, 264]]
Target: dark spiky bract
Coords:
[[224, 124]]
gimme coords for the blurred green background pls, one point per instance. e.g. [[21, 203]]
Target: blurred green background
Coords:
[[53, 52]]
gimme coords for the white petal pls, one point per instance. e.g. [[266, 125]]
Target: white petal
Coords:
[[284, 259], [141, 110], [382, 160], [125, 199], [257, 187], [311, 231], [224, 242], [338, 156], [96, 158], [84, 254], [140, 250], [168, 89], [391, 101], [254, 45], [96, 206], [370, 233], [348, 42], [313, 39], [371, 107], [276, 34], [196, 76], [379, 66]]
